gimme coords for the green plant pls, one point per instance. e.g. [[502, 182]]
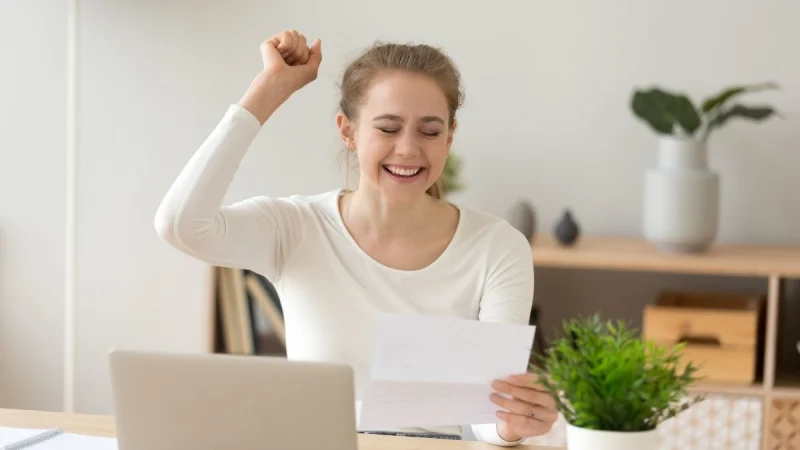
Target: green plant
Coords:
[[451, 174], [674, 113], [606, 377]]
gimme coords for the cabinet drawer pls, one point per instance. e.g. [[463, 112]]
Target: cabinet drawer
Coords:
[[722, 332], [723, 328]]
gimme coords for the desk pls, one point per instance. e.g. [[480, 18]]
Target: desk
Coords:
[[104, 426]]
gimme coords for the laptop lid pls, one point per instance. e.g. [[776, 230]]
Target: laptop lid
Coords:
[[168, 401]]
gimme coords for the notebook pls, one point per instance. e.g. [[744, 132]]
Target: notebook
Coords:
[[51, 439]]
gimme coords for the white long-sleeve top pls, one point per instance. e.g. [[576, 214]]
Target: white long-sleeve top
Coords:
[[330, 289]]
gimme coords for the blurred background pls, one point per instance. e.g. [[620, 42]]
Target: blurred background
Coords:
[[104, 101]]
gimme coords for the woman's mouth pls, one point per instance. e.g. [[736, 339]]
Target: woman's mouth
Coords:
[[403, 173]]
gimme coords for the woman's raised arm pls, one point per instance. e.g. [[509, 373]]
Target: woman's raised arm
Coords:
[[255, 233]]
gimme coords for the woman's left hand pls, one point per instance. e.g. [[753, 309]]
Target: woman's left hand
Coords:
[[528, 410]]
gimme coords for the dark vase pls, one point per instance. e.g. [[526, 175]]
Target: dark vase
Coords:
[[567, 229]]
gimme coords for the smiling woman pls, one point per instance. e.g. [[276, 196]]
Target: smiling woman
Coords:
[[340, 258]]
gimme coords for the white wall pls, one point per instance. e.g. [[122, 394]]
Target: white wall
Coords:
[[32, 201], [546, 118]]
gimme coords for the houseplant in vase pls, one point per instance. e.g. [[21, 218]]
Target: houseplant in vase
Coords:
[[681, 199], [613, 387]]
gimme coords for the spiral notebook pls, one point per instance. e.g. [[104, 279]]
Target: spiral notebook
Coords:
[[51, 439]]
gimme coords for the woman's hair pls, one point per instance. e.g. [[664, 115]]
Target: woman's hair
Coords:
[[419, 58]]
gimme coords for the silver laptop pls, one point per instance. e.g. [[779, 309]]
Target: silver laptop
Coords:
[[168, 401]]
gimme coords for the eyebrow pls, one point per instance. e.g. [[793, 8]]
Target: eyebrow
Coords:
[[397, 118]]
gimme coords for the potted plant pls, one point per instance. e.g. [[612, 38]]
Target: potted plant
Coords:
[[613, 387], [451, 175], [681, 201]]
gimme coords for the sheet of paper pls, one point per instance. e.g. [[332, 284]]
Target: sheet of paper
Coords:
[[436, 371], [66, 441]]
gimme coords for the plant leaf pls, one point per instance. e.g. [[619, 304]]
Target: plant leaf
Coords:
[[649, 107], [725, 95], [747, 112], [686, 114], [663, 110], [451, 174]]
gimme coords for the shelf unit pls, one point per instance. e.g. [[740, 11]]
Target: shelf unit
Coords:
[[779, 392], [245, 315]]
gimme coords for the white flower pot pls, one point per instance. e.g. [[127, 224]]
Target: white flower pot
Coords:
[[681, 198], [584, 439]]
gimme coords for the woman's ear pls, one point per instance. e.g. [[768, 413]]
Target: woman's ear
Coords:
[[450, 134], [346, 130]]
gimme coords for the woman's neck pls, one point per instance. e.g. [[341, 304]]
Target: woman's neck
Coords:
[[372, 215]]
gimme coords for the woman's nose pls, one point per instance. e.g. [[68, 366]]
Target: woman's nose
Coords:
[[407, 145]]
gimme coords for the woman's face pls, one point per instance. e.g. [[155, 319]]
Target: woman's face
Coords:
[[402, 136]]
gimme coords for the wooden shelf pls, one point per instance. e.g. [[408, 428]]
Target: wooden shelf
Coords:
[[773, 263], [728, 389], [787, 385], [636, 254]]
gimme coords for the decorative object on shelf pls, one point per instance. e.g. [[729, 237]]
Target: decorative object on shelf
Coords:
[[450, 179], [522, 216], [567, 229], [681, 198], [613, 387]]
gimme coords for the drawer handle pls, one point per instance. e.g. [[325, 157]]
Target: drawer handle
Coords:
[[706, 340]]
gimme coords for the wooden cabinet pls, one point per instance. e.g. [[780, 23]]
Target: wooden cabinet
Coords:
[[773, 392]]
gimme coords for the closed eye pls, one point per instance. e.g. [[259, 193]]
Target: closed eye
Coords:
[[424, 133]]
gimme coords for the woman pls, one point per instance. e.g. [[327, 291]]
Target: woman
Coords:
[[339, 258]]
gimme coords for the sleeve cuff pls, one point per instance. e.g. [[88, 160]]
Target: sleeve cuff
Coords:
[[488, 433], [237, 114]]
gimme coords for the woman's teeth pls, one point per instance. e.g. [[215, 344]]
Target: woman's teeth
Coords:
[[403, 171]]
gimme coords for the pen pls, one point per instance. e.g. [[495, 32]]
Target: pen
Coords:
[[35, 439]]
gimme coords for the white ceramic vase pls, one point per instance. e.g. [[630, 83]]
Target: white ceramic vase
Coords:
[[681, 198], [584, 439]]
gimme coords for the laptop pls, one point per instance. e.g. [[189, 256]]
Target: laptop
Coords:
[[169, 401]]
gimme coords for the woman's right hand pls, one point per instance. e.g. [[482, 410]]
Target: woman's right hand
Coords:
[[289, 65], [287, 55]]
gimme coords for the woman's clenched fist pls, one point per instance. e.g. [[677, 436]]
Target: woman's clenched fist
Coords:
[[289, 65], [287, 55]]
